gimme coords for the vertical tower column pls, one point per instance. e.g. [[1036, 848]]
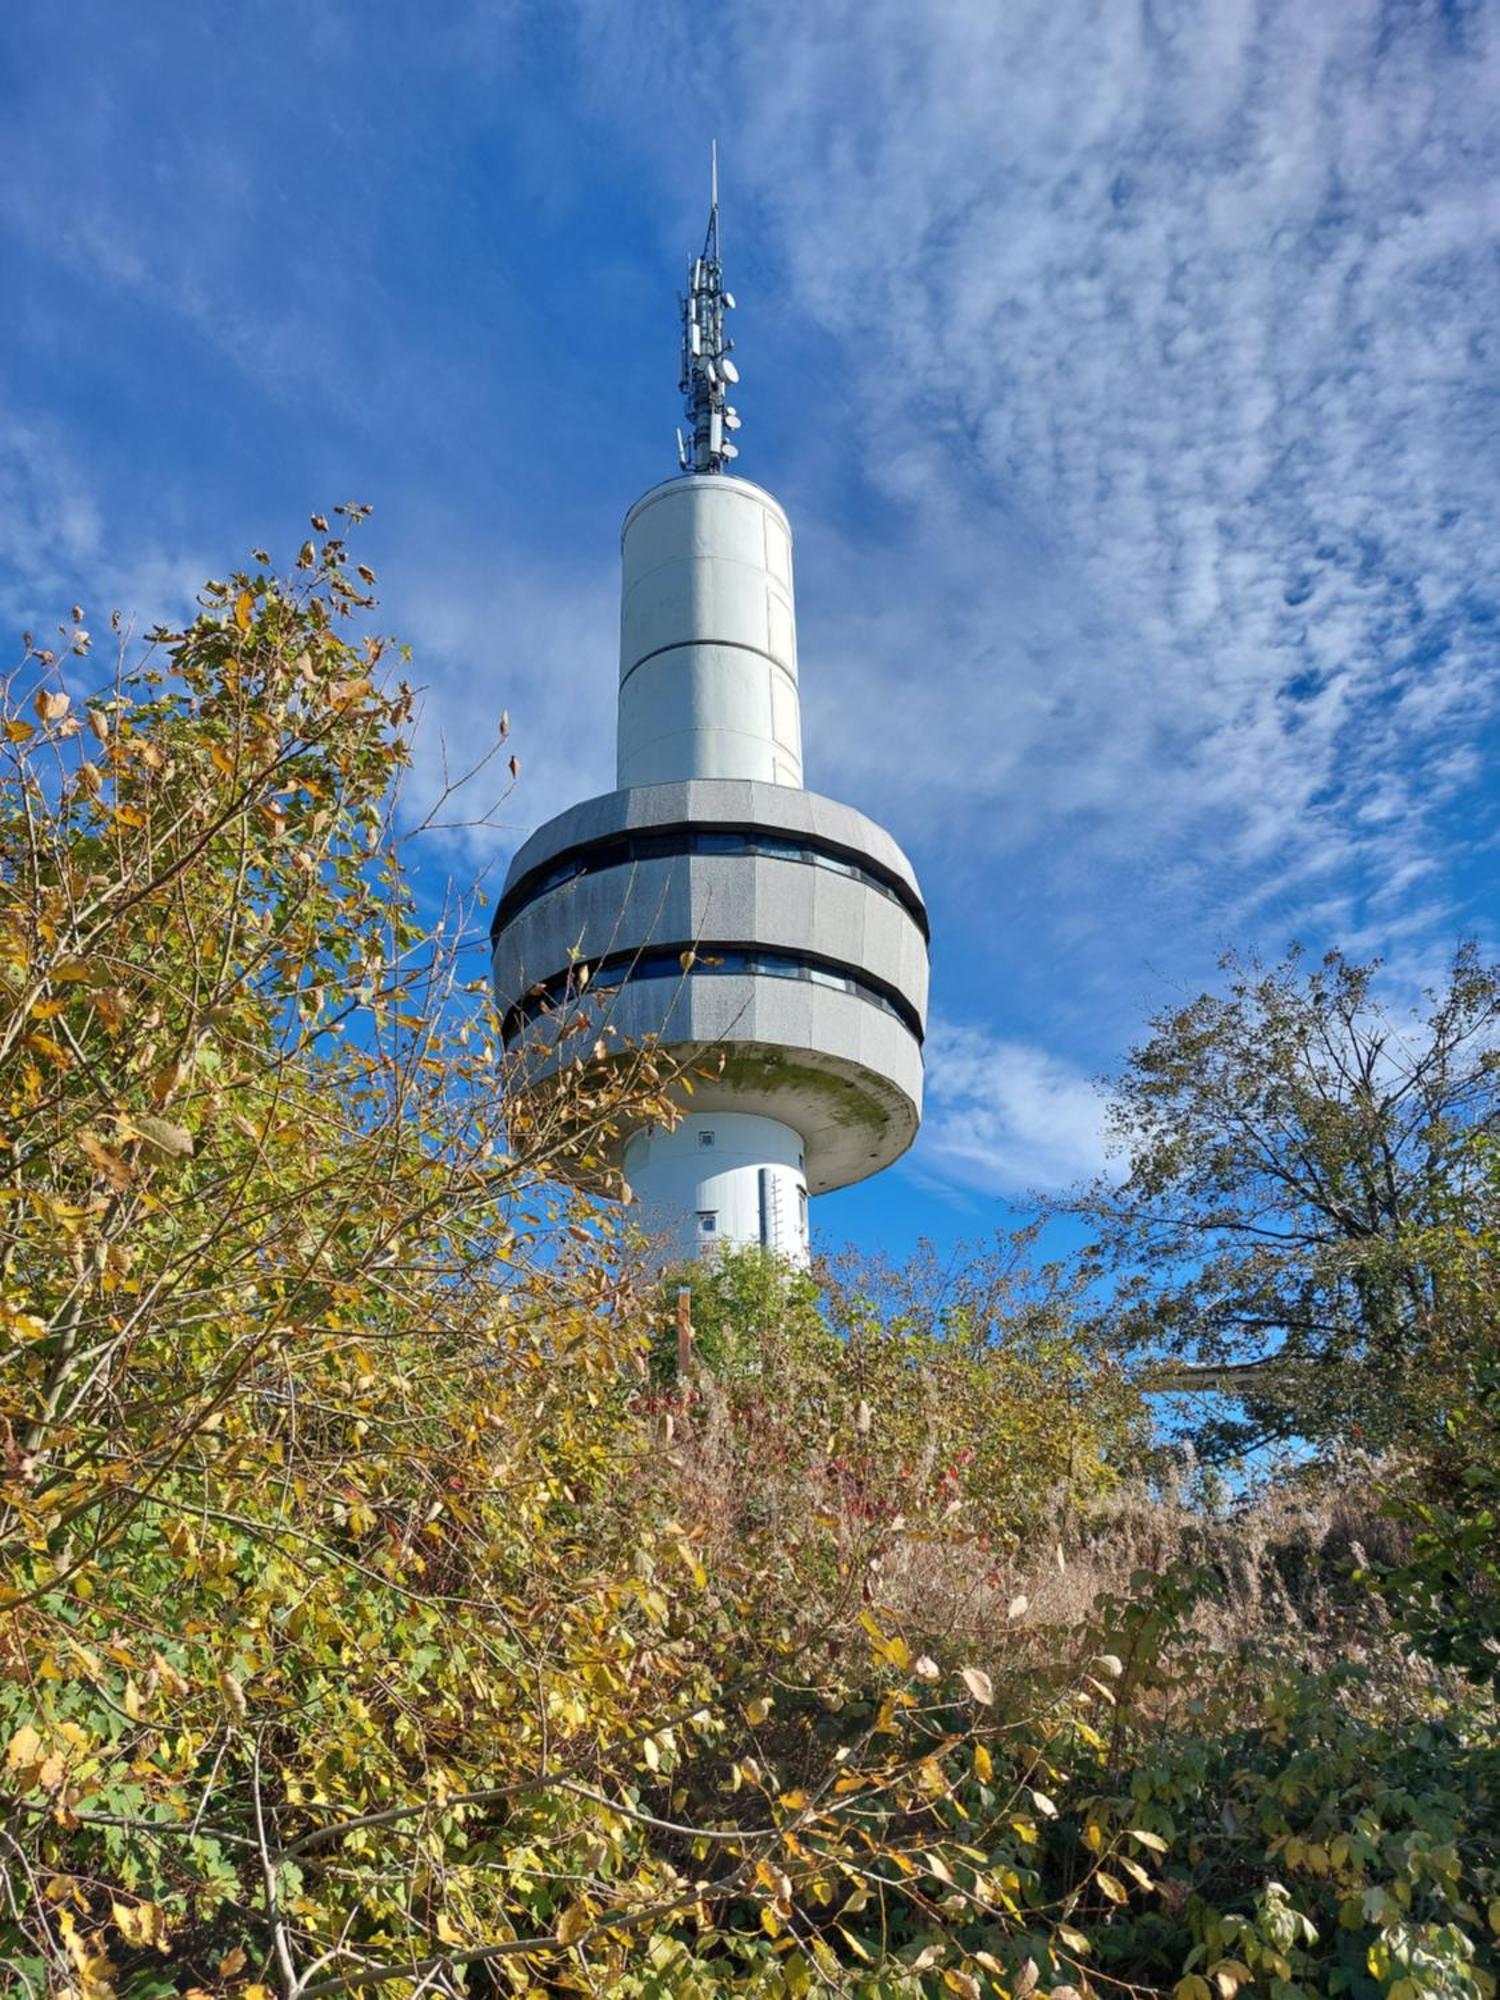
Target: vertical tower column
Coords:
[[708, 637], [722, 1178]]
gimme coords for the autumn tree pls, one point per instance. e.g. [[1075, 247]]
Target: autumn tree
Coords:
[[1288, 1143], [352, 1638]]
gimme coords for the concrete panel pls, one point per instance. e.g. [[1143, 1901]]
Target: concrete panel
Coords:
[[719, 711], [720, 1179]]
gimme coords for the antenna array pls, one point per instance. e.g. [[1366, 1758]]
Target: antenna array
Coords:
[[708, 373]]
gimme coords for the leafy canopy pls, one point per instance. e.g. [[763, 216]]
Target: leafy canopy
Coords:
[[1289, 1145]]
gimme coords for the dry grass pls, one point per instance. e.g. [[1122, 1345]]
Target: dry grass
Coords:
[[1283, 1556]]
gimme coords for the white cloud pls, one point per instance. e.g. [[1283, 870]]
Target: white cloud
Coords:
[[56, 546], [522, 638], [1006, 1117]]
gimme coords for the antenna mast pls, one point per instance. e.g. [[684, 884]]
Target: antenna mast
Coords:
[[707, 371]]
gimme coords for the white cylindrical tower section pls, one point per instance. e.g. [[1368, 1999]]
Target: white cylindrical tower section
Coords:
[[721, 1179], [708, 637]]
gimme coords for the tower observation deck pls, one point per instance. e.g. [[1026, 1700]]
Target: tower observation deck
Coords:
[[773, 939]]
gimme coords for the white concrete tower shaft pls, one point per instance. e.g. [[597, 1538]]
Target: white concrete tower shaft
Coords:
[[708, 637]]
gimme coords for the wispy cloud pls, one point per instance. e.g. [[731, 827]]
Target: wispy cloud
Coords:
[[507, 638], [1006, 1117], [57, 543]]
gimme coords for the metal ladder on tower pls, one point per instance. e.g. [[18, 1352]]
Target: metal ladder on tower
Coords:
[[777, 1242]]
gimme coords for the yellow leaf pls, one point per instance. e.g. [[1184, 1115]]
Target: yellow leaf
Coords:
[[575, 1920], [689, 1558], [1076, 1941], [174, 1682], [50, 1051], [756, 1711], [25, 1325], [1230, 1974], [110, 1164], [854, 1944], [135, 1708], [1112, 1886], [24, 1756], [141, 1923], [231, 1963], [984, 1764], [896, 1650], [244, 605], [18, 732]]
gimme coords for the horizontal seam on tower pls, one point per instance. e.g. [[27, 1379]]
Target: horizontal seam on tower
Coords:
[[734, 645]]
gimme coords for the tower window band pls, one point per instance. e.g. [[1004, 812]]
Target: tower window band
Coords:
[[670, 843], [666, 962]]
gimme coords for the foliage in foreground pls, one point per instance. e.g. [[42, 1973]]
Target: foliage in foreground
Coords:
[[371, 1620]]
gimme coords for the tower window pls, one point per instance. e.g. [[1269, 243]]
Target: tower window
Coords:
[[705, 1138], [708, 1222]]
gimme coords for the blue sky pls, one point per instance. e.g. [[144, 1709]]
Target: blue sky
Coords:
[[1131, 375]]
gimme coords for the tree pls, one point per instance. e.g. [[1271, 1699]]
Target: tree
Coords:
[[1288, 1143], [267, 1261], [1445, 1592], [350, 1636]]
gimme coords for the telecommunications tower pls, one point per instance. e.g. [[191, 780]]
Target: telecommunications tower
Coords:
[[773, 940]]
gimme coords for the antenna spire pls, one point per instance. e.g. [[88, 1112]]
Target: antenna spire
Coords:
[[707, 371]]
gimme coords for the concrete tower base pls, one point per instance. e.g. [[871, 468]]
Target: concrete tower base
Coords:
[[722, 1178]]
